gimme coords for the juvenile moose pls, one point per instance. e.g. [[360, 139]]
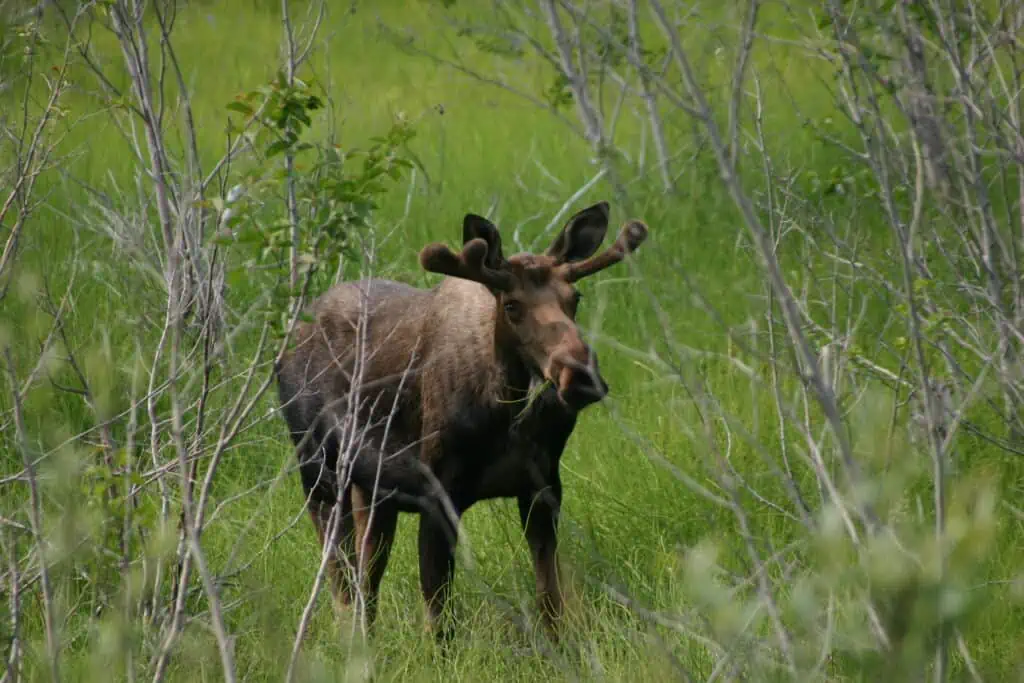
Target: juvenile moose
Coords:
[[400, 399]]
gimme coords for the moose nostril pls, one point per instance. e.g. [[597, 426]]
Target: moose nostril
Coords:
[[591, 382]]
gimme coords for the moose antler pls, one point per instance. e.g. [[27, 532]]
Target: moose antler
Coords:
[[468, 264], [630, 237]]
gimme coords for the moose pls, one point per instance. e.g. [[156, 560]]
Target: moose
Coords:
[[401, 399]]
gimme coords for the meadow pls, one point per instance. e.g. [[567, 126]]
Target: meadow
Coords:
[[761, 497]]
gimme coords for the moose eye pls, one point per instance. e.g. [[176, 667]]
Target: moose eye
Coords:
[[514, 310]]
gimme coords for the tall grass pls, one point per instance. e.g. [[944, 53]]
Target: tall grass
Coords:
[[690, 321]]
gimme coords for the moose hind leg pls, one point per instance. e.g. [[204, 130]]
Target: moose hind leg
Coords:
[[374, 527], [336, 524], [318, 459]]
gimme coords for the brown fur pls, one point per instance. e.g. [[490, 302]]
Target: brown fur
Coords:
[[421, 396]]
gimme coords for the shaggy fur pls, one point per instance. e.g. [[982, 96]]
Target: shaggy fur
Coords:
[[407, 400]]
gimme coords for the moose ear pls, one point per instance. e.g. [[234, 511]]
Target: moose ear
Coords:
[[582, 234], [478, 227]]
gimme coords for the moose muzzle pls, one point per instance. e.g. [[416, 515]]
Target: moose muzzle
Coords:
[[577, 377]]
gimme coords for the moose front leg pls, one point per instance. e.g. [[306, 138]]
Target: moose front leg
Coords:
[[437, 539], [538, 511]]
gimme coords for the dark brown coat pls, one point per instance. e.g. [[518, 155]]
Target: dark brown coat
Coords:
[[424, 395]]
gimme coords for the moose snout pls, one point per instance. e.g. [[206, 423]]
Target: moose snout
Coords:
[[578, 379]]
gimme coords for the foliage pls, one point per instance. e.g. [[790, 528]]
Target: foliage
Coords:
[[336, 190], [717, 521]]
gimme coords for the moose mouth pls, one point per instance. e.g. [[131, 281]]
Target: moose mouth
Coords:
[[579, 385]]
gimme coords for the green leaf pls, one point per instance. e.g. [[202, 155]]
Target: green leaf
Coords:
[[277, 147], [240, 107]]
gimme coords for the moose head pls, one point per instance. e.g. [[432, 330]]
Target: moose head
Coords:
[[535, 300]]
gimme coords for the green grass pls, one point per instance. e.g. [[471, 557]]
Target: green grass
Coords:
[[627, 519]]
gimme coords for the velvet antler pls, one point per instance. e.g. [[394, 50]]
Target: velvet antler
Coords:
[[630, 237], [468, 264]]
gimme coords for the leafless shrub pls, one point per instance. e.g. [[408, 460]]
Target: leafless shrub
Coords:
[[863, 412], [130, 484], [930, 143]]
